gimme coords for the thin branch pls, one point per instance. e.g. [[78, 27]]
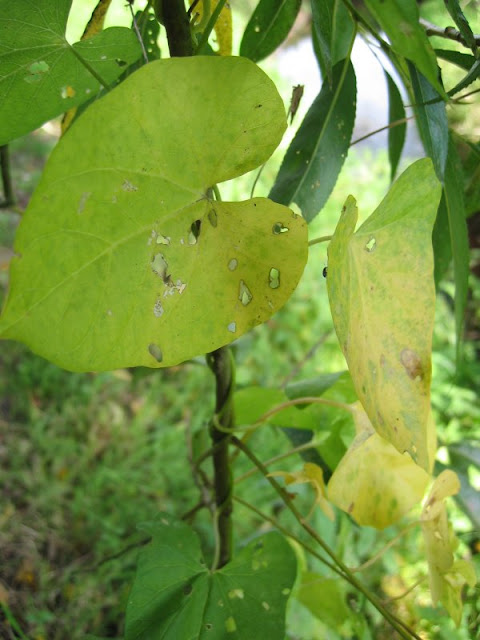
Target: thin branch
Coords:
[[9, 196], [395, 123], [319, 240], [306, 400], [450, 33]]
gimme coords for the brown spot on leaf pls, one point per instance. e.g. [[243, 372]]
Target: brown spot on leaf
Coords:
[[412, 364]]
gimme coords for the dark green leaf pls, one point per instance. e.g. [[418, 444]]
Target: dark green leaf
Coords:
[[396, 132], [470, 155], [457, 14], [333, 30], [431, 120], [316, 155], [268, 27], [175, 595], [39, 67], [442, 244], [471, 76], [454, 204], [400, 21], [462, 60], [313, 386], [463, 455]]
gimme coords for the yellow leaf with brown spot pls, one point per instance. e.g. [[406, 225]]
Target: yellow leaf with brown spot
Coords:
[[382, 299]]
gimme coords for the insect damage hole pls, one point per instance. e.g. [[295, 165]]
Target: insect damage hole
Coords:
[[155, 351], [371, 244], [279, 228], [274, 278], [194, 232], [244, 294]]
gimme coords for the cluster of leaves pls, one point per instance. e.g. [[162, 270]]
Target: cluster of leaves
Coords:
[[127, 256]]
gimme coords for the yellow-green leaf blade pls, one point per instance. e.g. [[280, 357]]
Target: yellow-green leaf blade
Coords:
[[381, 292]]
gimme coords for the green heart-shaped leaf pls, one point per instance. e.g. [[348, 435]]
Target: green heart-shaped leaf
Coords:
[[123, 258], [41, 74], [176, 596]]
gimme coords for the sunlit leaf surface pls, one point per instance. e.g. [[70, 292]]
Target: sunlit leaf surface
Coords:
[[123, 258]]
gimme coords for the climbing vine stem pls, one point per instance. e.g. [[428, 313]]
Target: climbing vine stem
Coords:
[[222, 364], [403, 630]]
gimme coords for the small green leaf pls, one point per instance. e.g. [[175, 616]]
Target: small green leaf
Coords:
[[400, 21], [38, 66], [431, 121], [457, 14], [396, 133], [333, 30], [381, 292], [325, 598], [472, 75], [122, 257], [176, 596], [316, 155], [463, 60], [268, 27]]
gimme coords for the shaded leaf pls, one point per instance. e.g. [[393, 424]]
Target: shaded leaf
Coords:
[[375, 483], [453, 201], [316, 155], [431, 121], [381, 293], [333, 30], [471, 76], [462, 455], [312, 386], [397, 132], [463, 60], [38, 66], [400, 21], [268, 27], [176, 596], [122, 257], [325, 598]]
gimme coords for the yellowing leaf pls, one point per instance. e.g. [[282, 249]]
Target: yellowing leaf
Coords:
[[382, 294], [446, 576], [223, 25], [375, 483], [312, 474]]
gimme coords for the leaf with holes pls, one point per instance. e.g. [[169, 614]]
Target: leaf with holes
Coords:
[[123, 258], [382, 295], [175, 595], [39, 67]]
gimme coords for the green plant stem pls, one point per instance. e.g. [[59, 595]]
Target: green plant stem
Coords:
[[222, 365], [305, 400], [389, 544], [209, 28], [319, 240], [403, 630], [9, 197], [177, 26]]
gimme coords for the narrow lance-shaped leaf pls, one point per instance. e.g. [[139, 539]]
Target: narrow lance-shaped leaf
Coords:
[[454, 9], [381, 293], [122, 257], [316, 155], [176, 596], [400, 21], [453, 201], [333, 30], [268, 27], [38, 66], [431, 120], [397, 130]]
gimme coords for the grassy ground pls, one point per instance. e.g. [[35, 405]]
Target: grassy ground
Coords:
[[84, 457]]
